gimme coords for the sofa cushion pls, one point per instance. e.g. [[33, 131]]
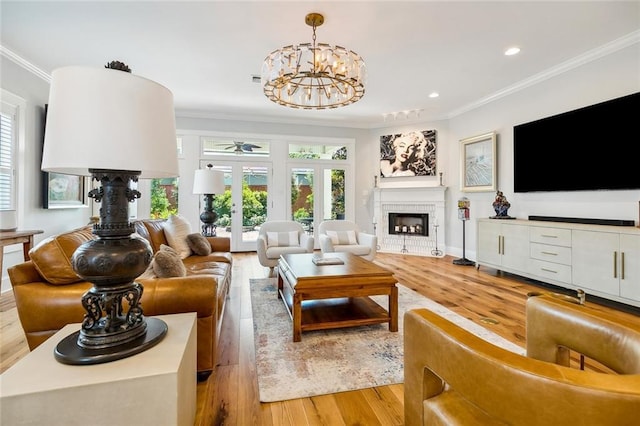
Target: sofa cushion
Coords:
[[279, 239], [357, 249], [342, 237], [275, 252], [167, 263], [176, 229], [52, 256], [153, 231], [199, 244]]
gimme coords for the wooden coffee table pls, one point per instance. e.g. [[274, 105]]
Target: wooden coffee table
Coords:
[[320, 297]]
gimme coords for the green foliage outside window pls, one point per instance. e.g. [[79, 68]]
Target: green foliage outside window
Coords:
[[254, 207], [161, 206]]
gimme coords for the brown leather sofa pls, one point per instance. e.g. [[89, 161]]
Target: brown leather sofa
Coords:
[[453, 377], [47, 305]]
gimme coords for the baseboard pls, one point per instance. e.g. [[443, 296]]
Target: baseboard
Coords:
[[587, 221]]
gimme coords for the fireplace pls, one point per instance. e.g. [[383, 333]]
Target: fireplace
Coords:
[[409, 223], [420, 207]]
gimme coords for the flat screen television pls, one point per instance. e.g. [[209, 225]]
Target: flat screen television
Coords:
[[591, 148]]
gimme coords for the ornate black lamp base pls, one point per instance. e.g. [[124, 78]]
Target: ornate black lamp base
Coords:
[[68, 351], [209, 230], [208, 217]]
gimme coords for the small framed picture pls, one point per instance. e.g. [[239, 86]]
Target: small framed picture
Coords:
[[478, 163], [63, 191]]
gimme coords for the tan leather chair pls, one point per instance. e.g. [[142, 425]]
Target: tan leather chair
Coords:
[[345, 236], [453, 377]]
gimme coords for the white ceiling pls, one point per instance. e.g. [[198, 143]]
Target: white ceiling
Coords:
[[206, 52]]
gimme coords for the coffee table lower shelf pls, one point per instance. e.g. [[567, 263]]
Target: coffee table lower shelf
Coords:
[[339, 313]]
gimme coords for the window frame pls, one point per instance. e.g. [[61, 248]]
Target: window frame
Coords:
[[11, 107]]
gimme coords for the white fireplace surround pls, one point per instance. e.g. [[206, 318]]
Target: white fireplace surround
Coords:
[[430, 200]]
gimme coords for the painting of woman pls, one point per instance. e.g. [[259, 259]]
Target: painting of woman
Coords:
[[408, 154]]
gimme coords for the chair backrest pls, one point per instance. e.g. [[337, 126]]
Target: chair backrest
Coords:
[[556, 327], [337, 225], [280, 226]]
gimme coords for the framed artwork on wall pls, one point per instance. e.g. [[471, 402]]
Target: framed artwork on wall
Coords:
[[478, 163], [63, 191], [408, 154]]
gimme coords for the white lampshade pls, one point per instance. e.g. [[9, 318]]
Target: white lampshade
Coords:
[[101, 118], [208, 181]]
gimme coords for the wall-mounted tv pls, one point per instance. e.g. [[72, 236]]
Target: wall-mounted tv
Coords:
[[591, 148]]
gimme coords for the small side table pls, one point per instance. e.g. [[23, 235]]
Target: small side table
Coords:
[[25, 238], [154, 387]]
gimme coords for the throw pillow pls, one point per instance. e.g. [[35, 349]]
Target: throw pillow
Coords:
[[199, 244], [286, 239], [167, 263], [176, 229], [342, 237], [149, 273]]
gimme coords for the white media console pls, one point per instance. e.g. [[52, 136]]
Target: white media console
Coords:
[[602, 260]]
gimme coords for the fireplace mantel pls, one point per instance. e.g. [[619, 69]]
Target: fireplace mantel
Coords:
[[429, 200]]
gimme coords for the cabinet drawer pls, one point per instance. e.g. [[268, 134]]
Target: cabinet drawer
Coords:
[[551, 253], [550, 270], [555, 236]]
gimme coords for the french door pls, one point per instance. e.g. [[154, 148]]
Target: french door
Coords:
[[319, 192], [244, 205]]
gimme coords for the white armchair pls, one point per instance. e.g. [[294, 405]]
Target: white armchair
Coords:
[[345, 236], [278, 237]]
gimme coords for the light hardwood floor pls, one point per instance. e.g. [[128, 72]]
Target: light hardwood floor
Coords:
[[230, 397]]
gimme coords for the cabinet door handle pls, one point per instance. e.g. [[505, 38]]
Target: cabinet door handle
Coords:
[[622, 265], [502, 237], [615, 264]]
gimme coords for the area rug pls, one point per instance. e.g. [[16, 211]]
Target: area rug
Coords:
[[331, 361]]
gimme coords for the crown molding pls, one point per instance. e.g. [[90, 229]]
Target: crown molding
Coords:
[[14, 57], [597, 53]]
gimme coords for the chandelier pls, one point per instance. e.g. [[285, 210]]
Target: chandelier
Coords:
[[313, 76]]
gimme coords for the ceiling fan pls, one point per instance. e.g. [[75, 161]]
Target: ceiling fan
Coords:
[[240, 147]]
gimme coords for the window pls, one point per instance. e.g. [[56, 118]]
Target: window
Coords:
[[317, 152], [8, 130], [164, 193], [247, 148], [164, 197]]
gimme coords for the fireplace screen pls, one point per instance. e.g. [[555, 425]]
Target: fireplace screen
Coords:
[[409, 223]]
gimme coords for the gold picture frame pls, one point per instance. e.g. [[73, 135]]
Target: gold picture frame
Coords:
[[478, 170]]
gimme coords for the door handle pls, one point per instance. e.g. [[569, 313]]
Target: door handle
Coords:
[[622, 265], [615, 264]]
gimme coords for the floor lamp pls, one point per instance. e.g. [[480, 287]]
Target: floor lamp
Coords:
[[208, 182], [115, 127]]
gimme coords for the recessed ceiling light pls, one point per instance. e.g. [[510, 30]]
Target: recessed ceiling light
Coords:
[[434, 94], [512, 51]]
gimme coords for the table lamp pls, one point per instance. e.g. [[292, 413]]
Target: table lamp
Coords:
[[208, 182], [115, 127]]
